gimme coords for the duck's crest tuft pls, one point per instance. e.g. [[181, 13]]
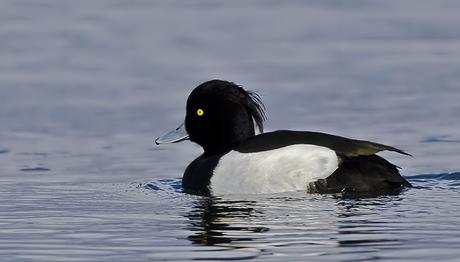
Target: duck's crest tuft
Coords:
[[256, 109]]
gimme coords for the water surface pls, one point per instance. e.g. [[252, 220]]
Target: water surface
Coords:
[[86, 86]]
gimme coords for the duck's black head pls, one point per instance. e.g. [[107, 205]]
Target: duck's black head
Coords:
[[220, 116]]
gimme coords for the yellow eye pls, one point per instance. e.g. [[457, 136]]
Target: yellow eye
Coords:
[[200, 112]]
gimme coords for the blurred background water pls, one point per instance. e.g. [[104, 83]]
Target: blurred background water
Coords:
[[85, 87]]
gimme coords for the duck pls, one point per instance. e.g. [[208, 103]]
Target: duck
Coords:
[[222, 117]]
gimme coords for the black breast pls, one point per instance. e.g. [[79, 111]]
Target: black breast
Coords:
[[198, 175]]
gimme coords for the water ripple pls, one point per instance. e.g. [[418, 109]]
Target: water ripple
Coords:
[[163, 185], [443, 176], [34, 169], [440, 139], [4, 151]]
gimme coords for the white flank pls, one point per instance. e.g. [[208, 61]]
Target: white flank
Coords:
[[289, 168]]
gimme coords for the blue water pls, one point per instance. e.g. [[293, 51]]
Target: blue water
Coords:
[[85, 87]]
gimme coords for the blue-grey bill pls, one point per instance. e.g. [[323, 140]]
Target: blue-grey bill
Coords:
[[177, 135]]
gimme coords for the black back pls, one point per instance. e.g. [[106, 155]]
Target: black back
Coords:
[[341, 145]]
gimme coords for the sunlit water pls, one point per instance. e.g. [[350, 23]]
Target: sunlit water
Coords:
[[85, 87]]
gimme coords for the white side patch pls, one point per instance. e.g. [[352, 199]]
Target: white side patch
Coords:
[[285, 169]]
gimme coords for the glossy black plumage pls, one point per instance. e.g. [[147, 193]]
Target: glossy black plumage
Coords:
[[341, 145], [367, 175], [228, 118]]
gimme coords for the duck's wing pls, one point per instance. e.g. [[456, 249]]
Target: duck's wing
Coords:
[[341, 145]]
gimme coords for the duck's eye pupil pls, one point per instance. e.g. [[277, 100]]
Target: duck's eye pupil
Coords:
[[200, 112]]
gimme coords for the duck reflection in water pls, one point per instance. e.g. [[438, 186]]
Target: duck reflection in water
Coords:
[[215, 221], [360, 221], [312, 221]]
